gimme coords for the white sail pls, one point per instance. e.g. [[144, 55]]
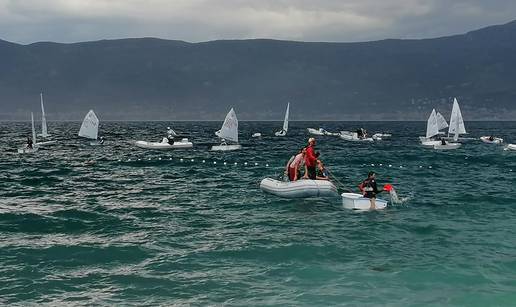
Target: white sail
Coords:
[[431, 125], [456, 121], [285, 121], [229, 130], [44, 132], [441, 122], [90, 126], [33, 129]]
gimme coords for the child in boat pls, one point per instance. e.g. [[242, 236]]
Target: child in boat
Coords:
[[369, 189], [295, 164], [322, 172]]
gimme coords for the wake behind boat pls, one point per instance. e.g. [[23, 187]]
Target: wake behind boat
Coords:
[[302, 188]]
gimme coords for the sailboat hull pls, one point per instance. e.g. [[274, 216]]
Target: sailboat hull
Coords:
[[448, 146], [226, 147]]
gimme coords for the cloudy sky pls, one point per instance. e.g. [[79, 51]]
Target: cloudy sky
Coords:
[[27, 21]]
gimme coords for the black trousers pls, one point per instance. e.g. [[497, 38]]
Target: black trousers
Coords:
[[311, 172]]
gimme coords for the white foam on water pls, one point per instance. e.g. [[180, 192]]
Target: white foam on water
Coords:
[[395, 199]]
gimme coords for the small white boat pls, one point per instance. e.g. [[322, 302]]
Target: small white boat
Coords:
[[356, 201], [491, 140], [25, 149], [284, 130], [319, 131], [302, 188], [328, 133], [44, 131], [447, 146], [228, 132], [511, 147], [353, 137], [90, 128], [381, 136], [256, 135], [164, 144]]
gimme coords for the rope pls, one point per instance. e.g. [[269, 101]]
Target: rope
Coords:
[[341, 185]]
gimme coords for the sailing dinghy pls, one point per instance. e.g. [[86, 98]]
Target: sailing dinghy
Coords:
[[25, 149], [283, 131], [228, 132], [90, 128], [491, 140], [44, 131], [432, 129]]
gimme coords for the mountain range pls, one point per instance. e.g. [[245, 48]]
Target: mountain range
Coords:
[[156, 79]]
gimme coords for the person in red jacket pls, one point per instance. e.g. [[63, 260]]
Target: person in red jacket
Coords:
[[310, 160]]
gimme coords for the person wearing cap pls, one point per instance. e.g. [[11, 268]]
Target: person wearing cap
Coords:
[[310, 160]]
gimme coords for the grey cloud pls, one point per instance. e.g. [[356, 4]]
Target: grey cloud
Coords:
[[28, 21]]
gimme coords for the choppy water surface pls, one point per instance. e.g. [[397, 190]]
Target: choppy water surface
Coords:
[[129, 231]]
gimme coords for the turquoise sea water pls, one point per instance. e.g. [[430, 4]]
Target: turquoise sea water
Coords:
[[123, 231]]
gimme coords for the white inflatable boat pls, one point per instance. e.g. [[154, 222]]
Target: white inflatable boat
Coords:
[[511, 147], [164, 144], [302, 188], [491, 140], [353, 137], [355, 201], [256, 135], [319, 131]]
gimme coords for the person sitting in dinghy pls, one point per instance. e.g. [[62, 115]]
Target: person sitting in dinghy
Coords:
[[29, 143], [322, 172], [369, 189], [310, 160]]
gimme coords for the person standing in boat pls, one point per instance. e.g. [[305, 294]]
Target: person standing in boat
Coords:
[[310, 160], [369, 189], [293, 168], [29, 143]]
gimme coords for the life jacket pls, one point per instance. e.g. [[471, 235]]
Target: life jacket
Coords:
[[365, 186]]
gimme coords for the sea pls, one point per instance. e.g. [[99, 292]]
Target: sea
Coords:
[[119, 225]]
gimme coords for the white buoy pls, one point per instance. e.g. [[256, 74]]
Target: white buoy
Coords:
[[170, 159], [430, 166], [119, 160], [235, 163], [390, 165], [128, 160], [203, 161], [192, 160], [266, 165], [255, 164], [149, 159], [139, 159], [159, 158], [401, 166], [225, 163], [214, 162], [381, 164], [245, 163]]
